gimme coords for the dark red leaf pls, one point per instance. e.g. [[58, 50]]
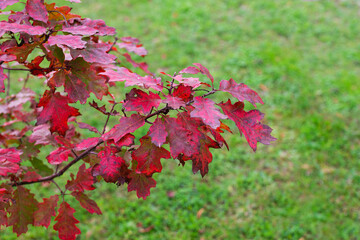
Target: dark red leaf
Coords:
[[22, 210], [174, 102], [111, 166], [158, 133], [94, 53], [87, 203], [15, 28], [140, 101], [42, 217], [5, 3], [87, 143], [67, 40], [126, 125], [80, 30], [148, 156], [83, 181], [127, 141], [240, 91], [9, 159], [205, 109], [22, 52], [141, 184], [66, 223], [183, 92], [36, 9], [248, 123], [58, 156], [57, 111]]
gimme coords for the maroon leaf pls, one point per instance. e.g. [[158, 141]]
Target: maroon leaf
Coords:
[[67, 40], [5, 3], [141, 184], [174, 102], [58, 156], [22, 210], [183, 92], [148, 156], [15, 28], [127, 141], [9, 159], [140, 101], [87, 143], [126, 125], [110, 166], [83, 181], [248, 123], [36, 9], [240, 91], [205, 109], [57, 111], [94, 53], [42, 217], [158, 133], [66, 223], [87, 203], [2, 78]]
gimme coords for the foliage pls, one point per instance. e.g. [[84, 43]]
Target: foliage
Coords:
[[52, 43]]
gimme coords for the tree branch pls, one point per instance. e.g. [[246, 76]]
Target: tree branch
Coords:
[[62, 171]]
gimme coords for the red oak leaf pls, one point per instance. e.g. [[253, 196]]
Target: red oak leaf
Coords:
[[57, 111], [66, 223], [240, 91], [111, 166], [9, 159], [80, 30], [141, 184], [22, 52], [15, 28], [183, 92], [42, 217], [127, 141], [204, 71], [205, 109], [126, 125], [190, 70], [248, 123], [36, 9], [148, 157], [142, 65], [67, 40], [5, 3], [58, 156], [88, 127], [3, 218], [2, 78], [22, 210], [174, 102], [140, 101], [94, 53], [87, 203], [133, 79], [83, 181], [158, 133], [99, 25], [87, 143], [41, 135]]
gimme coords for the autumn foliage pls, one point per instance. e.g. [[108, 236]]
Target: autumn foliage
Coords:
[[65, 50]]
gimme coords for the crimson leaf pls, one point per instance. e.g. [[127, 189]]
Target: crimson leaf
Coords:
[[42, 217], [140, 101], [66, 223], [141, 184], [158, 133], [87, 203], [83, 181], [36, 9], [9, 159]]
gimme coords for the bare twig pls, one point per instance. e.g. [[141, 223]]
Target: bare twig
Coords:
[[108, 117]]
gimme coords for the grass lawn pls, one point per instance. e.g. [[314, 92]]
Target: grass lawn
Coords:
[[303, 57]]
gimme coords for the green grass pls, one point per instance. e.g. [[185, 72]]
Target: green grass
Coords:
[[303, 57]]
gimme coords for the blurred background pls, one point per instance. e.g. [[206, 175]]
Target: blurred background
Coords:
[[303, 58]]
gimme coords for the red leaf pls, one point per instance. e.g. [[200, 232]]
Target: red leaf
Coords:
[[127, 141], [67, 40], [66, 223], [143, 65], [58, 156], [192, 82], [248, 123], [148, 156], [5, 3], [158, 133], [100, 26], [80, 30], [94, 53], [41, 135], [9, 159], [84, 180], [42, 217], [23, 51], [133, 79], [204, 71], [183, 92], [15, 28], [190, 70], [141, 184], [126, 125], [22, 210], [111, 165], [240, 91], [174, 102], [132, 46], [205, 109], [57, 111], [2, 78], [36, 9], [88, 127], [140, 101], [87, 203], [87, 143]]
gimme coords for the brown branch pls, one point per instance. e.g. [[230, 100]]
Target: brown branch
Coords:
[[66, 23], [62, 171], [108, 117]]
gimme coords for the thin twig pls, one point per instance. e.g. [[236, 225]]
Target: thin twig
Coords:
[[8, 84], [116, 38], [108, 117], [66, 23], [61, 191]]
